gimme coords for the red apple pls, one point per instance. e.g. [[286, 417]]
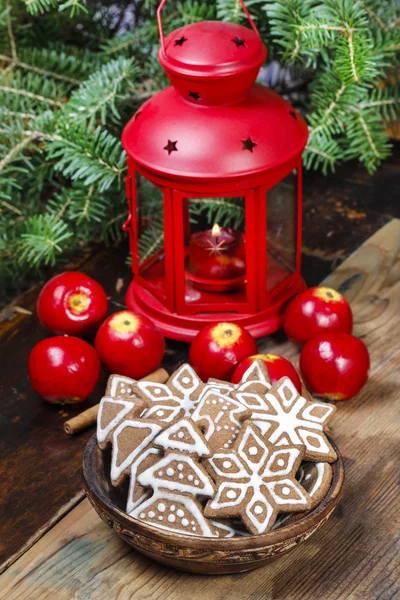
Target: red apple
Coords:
[[277, 367], [316, 311], [130, 344], [72, 303], [335, 365], [217, 350], [63, 369]]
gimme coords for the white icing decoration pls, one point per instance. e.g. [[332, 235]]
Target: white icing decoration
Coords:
[[180, 513], [197, 446], [153, 429], [131, 503], [152, 514], [149, 478], [291, 455], [287, 418], [126, 407], [170, 472], [161, 507], [171, 518], [225, 417], [180, 467], [294, 488], [227, 464], [176, 397], [114, 381], [161, 497], [251, 475]]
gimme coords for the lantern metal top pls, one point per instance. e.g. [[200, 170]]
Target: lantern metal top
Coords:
[[214, 123], [176, 139], [212, 49]]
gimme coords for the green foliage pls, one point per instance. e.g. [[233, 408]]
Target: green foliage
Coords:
[[74, 71]]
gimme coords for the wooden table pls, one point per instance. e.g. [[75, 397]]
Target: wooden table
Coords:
[[353, 557]]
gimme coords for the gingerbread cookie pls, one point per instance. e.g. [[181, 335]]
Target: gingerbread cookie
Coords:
[[179, 513], [286, 418], [138, 493], [220, 417], [183, 436], [112, 412], [255, 481], [178, 473], [120, 387], [316, 480], [174, 399], [256, 374], [130, 440]]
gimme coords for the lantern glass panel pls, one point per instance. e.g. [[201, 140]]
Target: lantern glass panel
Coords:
[[214, 254], [281, 231], [150, 228]]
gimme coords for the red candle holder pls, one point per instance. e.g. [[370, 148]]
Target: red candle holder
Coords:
[[243, 141], [217, 259]]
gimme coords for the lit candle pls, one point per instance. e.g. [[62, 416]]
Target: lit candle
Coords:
[[217, 254]]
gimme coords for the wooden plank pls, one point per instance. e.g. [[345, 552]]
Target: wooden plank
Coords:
[[354, 557]]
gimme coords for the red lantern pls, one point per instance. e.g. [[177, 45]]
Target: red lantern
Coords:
[[214, 187]]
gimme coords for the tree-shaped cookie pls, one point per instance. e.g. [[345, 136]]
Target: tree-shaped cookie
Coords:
[[255, 481], [287, 418], [220, 418], [130, 440], [118, 403], [120, 387], [177, 479], [112, 412], [174, 399]]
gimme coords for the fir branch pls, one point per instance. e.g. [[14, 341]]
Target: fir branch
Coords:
[[369, 137], [99, 93], [26, 94], [15, 151], [26, 67], [88, 156], [11, 207], [45, 237], [11, 37], [38, 7]]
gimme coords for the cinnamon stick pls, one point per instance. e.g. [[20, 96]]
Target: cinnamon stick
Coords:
[[88, 417]]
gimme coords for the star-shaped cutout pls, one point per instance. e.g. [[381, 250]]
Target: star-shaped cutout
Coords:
[[239, 42], [194, 95], [171, 147], [180, 41], [248, 144]]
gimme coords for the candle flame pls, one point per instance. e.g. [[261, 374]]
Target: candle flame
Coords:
[[216, 230]]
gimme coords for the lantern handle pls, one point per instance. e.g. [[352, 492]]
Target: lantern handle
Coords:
[[160, 25]]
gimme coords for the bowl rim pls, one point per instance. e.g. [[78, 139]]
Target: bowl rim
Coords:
[[276, 536]]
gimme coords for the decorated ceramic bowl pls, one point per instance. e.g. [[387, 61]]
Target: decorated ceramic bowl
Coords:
[[193, 553]]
